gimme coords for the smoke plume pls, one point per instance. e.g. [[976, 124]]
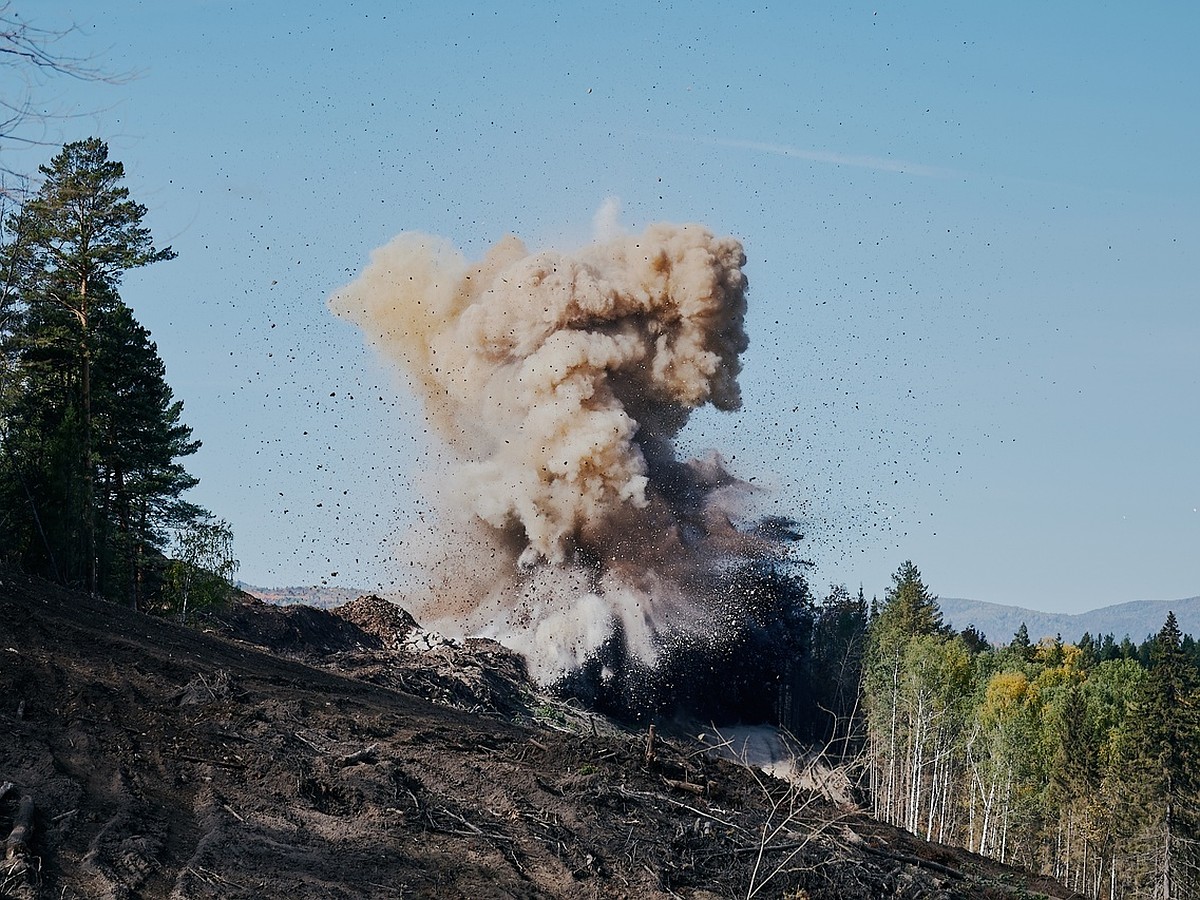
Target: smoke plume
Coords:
[[559, 383]]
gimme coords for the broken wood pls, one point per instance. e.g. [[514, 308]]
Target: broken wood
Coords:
[[212, 762], [650, 746], [233, 812], [640, 795], [910, 860], [698, 789], [18, 838], [365, 755], [298, 736]]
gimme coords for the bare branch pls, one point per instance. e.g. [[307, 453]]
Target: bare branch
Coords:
[[24, 45], [32, 51]]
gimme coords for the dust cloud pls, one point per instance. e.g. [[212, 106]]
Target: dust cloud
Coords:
[[558, 383]]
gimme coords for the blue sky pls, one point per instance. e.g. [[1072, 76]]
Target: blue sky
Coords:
[[971, 236]]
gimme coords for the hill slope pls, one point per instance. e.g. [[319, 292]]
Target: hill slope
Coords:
[[1137, 619], [166, 762]]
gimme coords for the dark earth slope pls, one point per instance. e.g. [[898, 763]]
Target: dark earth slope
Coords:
[[165, 762]]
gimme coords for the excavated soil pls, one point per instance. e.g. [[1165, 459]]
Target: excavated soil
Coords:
[[296, 753]]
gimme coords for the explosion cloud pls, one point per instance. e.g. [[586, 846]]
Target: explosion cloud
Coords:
[[559, 383]]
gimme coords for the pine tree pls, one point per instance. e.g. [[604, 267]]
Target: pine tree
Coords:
[[139, 438], [89, 477], [908, 607], [1020, 646], [1162, 775], [80, 234]]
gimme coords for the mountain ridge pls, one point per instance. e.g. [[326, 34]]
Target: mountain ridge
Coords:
[[1136, 619]]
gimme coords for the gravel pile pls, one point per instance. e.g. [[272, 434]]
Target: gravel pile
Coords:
[[381, 618]]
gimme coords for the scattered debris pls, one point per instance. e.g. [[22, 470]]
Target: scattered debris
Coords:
[[167, 762]]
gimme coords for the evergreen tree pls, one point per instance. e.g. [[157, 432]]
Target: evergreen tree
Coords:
[[89, 477], [1164, 780], [974, 639], [1020, 646], [1087, 646], [909, 613], [1108, 648], [139, 438], [908, 607], [1128, 648]]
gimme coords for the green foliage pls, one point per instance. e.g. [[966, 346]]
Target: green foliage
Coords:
[[200, 573], [81, 228], [1020, 647], [1158, 759], [909, 609], [1078, 760], [90, 481]]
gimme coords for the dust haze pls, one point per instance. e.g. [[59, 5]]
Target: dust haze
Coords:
[[558, 382]]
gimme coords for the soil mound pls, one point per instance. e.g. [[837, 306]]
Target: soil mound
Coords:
[[302, 632], [381, 618]]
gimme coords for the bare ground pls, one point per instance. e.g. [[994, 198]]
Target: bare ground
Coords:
[[304, 754]]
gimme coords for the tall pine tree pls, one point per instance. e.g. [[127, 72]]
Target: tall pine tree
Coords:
[[1163, 777], [89, 477]]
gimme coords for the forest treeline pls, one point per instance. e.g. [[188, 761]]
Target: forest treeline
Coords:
[[1077, 760], [92, 439]]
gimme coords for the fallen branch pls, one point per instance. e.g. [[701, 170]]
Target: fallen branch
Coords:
[[699, 790], [208, 876], [365, 755], [211, 762], [639, 795], [915, 861], [18, 838], [302, 739], [473, 829], [233, 812]]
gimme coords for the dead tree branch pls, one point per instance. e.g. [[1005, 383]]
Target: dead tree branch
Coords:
[[17, 844], [32, 52]]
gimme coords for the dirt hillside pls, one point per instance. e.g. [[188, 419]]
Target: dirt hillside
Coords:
[[304, 754]]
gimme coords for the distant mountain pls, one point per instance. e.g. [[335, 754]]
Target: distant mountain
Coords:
[[1137, 619], [320, 596]]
